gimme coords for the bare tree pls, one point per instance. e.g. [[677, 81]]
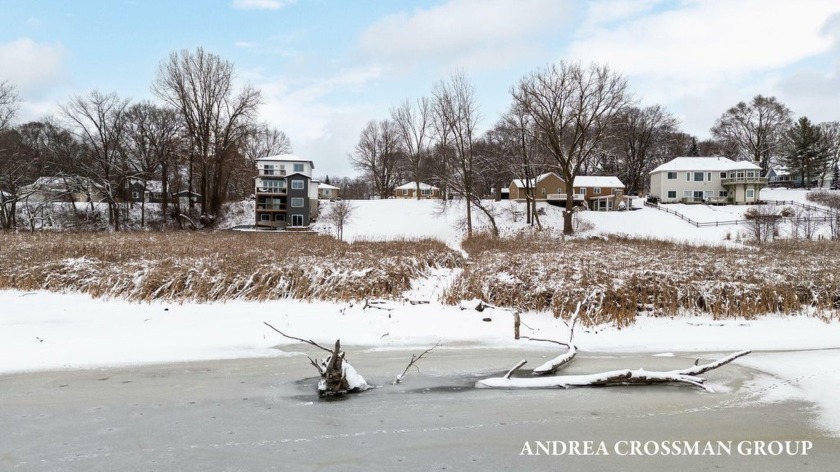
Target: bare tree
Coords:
[[637, 143], [264, 141], [754, 129], [377, 155], [763, 222], [153, 141], [339, 214], [831, 133], [8, 104], [200, 86], [413, 123], [99, 121], [457, 110], [572, 108]]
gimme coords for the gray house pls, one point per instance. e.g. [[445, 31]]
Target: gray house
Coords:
[[284, 191]]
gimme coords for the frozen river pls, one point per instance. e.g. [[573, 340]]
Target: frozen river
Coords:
[[263, 414]]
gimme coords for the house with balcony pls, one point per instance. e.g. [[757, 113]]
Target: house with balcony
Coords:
[[716, 180], [600, 192], [284, 193]]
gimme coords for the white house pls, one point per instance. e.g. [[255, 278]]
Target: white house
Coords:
[[707, 179], [328, 192], [409, 190]]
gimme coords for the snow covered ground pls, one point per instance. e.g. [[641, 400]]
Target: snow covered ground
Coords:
[[44, 331]]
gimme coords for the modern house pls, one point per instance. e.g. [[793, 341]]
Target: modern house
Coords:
[[409, 190], [707, 179], [285, 195], [328, 192], [543, 185], [601, 193]]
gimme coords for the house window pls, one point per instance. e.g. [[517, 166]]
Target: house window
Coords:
[[405, 191], [273, 185], [688, 176], [297, 202], [135, 195], [698, 176], [298, 167], [722, 193], [596, 190], [672, 194], [265, 217], [688, 193], [582, 191], [709, 176], [672, 176], [426, 191], [543, 192], [279, 217], [268, 169], [723, 175], [750, 193], [297, 185]]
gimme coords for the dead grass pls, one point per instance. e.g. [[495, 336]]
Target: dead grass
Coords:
[[218, 266], [632, 276]]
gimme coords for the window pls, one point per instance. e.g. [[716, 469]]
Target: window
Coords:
[[672, 176], [708, 176], [688, 193], [582, 191], [135, 195], [297, 203], [273, 185], [688, 176], [426, 191], [297, 185], [723, 175], [596, 190], [405, 191], [298, 167], [268, 169], [265, 217], [672, 194], [543, 192], [750, 193], [698, 176], [722, 193], [279, 217]]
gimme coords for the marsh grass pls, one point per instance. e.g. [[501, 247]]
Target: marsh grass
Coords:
[[216, 266], [633, 276]]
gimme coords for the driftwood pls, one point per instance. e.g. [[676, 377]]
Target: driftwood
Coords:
[[413, 362], [611, 378]]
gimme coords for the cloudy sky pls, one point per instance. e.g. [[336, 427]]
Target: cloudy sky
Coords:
[[327, 67]]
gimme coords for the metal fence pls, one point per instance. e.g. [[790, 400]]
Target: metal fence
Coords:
[[831, 215]]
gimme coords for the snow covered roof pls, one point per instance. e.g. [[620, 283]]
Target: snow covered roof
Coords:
[[521, 183], [413, 185], [327, 187], [154, 186], [607, 181], [700, 164], [286, 158]]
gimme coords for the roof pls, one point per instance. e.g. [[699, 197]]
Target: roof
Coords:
[[607, 181], [328, 186], [521, 183], [286, 158], [413, 185], [154, 186], [700, 164]]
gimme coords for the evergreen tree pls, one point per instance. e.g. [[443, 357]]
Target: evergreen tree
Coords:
[[327, 180], [805, 151], [694, 151], [835, 178]]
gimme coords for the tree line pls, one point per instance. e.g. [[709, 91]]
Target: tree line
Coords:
[[573, 120], [202, 137]]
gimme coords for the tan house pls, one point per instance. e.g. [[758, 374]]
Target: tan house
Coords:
[[409, 190], [601, 193], [328, 192], [543, 185], [707, 180]]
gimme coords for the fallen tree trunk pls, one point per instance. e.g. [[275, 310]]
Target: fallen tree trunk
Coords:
[[611, 378]]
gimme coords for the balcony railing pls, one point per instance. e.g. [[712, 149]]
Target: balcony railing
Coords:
[[271, 190], [744, 180], [271, 173], [270, 207]]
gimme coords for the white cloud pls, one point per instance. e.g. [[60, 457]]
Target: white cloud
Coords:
[[32, 67], [245, 44], [319, 129], [700, 44], [260, 4], [699, 57], [465, 33]]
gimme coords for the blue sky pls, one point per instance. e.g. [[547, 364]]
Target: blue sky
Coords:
[[327, 67]]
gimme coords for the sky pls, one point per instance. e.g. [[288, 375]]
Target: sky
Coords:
[[326, 68]]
